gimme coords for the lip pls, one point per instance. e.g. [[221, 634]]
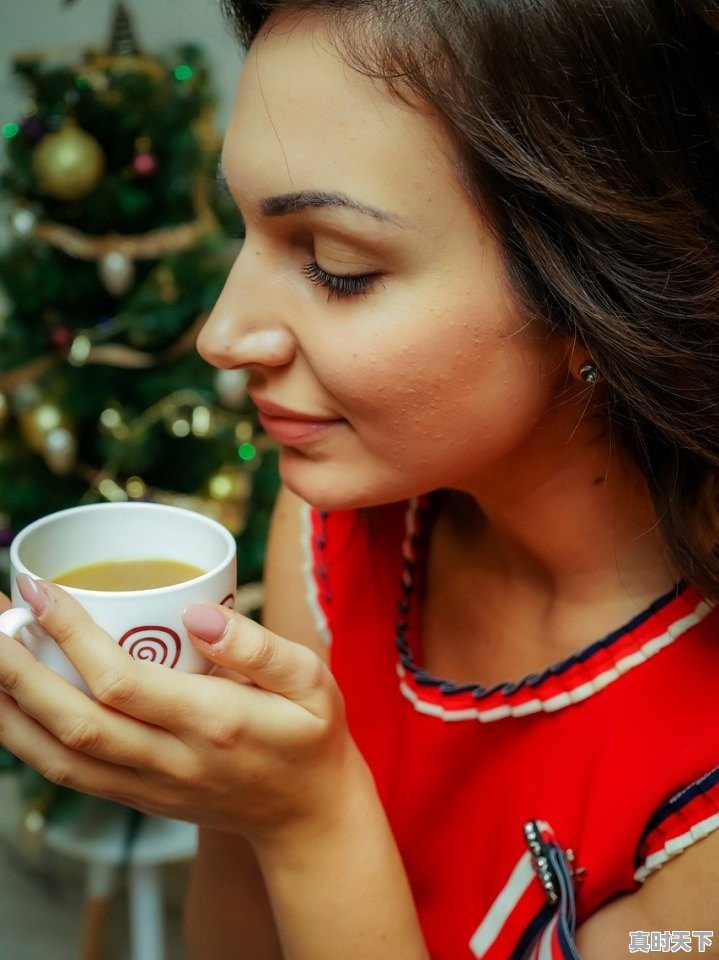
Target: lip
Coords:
[[291, 431], [275, 410], [291, 427]]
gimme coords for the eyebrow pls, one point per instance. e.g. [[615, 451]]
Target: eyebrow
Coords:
[[288, 203]]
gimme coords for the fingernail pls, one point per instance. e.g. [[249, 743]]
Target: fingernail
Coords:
[[205, 622], [32, 592]]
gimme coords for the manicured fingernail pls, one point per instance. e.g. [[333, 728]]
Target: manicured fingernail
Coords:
[[32, 592], [205, 622]]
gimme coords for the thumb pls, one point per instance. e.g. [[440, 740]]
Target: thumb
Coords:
[[246, 647]]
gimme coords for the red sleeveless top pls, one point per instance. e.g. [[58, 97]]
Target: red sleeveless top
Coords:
[[519, 809]]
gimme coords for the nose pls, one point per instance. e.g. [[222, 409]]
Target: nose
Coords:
[[247, 324]]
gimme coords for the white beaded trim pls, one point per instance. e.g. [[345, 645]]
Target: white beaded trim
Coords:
[[308, 570]]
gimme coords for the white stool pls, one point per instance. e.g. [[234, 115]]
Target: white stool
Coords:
[[100, 838]]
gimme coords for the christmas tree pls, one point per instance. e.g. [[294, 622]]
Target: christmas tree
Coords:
[[118, 249]]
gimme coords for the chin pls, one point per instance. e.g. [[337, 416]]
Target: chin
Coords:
[[337, 486]]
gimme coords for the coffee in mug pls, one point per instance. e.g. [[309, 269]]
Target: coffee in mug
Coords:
[[146, 620], [120, 575]]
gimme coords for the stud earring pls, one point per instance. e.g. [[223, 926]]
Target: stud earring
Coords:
[[589, 373]]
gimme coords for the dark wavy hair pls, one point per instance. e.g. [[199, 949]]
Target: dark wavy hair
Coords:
[[588, 132]]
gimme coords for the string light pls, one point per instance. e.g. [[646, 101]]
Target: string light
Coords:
[[183, 72], [244, 431], [136, 488], [10, 130], [183, 412], [201, 421], [180, 428], [220, 486], [111, 490]]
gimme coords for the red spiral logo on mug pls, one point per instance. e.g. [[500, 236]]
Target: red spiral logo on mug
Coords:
[[156, 644], [229, 601]]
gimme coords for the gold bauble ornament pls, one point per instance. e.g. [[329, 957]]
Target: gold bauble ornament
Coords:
[[68, 164], [37, 422]]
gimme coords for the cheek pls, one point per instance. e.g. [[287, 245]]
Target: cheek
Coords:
[[384, 383], [414, 372], [433, 355]]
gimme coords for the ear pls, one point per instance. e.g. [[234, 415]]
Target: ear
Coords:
[[581, 366]]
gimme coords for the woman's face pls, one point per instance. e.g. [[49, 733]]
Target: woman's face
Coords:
[[368, 291]]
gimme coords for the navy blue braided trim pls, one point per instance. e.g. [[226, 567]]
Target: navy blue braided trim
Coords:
[[320, 567], [479, 692], [675, 803]]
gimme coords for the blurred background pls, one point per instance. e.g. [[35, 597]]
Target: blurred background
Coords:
[[115, 240]]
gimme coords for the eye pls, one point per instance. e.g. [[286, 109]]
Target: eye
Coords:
[[347, 285]]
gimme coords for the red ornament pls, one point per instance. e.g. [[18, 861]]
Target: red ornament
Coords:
[[61, 337], [144, 164]]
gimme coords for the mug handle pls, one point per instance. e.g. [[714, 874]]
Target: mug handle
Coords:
[[14, 619]]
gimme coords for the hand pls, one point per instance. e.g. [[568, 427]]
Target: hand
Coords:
[[259, 748], [5, 603]]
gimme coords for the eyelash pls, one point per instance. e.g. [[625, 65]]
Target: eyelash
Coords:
[[351, 285]]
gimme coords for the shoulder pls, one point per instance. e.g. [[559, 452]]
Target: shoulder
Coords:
[[680, 900], [677, 869]]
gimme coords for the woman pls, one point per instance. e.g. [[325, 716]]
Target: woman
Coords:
[[478, 305]]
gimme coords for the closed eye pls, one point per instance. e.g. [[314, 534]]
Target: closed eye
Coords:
[[340, 285]]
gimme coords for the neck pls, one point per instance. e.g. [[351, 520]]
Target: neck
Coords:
[[568, 517]]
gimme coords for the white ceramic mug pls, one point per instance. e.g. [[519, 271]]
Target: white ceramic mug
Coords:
[[146, 623]]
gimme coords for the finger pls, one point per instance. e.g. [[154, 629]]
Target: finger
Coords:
[[146, 691], [5, 603], [246, 647], [26, 739], [81, 724]]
